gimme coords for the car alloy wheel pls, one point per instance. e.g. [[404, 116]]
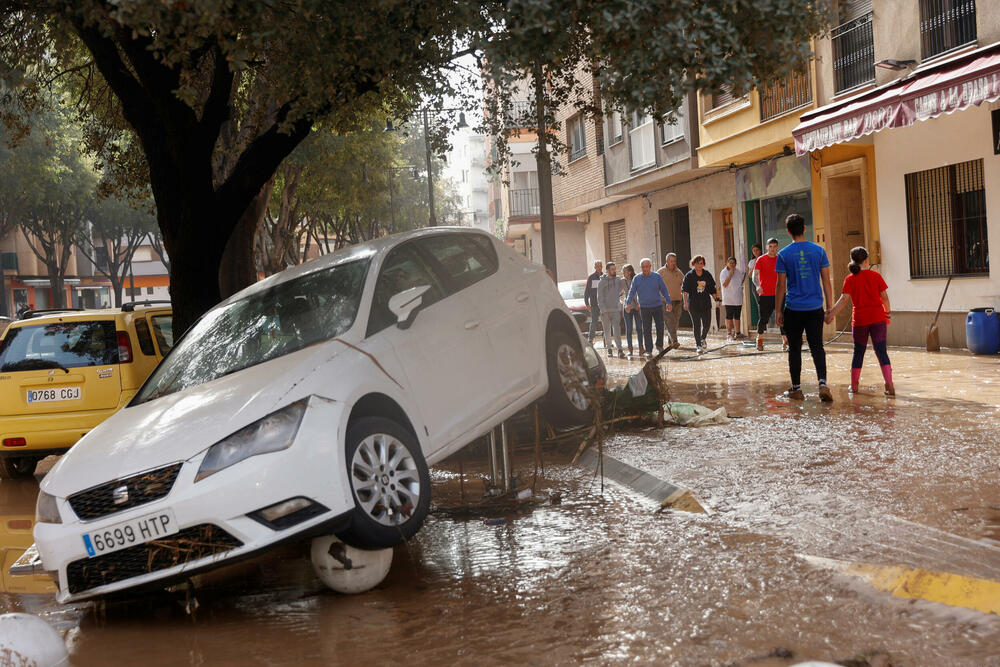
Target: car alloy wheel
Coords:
[[385, 479], [572, 375]]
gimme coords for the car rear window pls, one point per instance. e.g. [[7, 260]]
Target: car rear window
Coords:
[[465, 258], [145, 340], [572, 289], [163, 329], [59, 345]]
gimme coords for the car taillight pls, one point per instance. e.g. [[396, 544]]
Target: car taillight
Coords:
[[14, 442], [19, 524], [124, 348]]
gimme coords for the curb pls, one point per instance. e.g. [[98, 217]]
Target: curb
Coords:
[[668, 494]]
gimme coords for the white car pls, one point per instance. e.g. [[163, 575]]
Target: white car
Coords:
[[311, 403]]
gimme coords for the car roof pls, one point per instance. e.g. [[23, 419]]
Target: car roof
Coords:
[[89, 314], [350, 253]]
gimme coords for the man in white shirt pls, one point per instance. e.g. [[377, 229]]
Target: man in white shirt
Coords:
[[732, 297]]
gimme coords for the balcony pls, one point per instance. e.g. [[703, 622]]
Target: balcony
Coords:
[[524, 202], [522, 114], [784, 95], [946, 25], [853, 53]]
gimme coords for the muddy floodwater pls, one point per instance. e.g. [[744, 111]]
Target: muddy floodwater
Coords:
[[601, 576]]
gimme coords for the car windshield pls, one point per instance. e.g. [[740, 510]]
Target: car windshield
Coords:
[[572, 290], [62, 345], [270, 324]]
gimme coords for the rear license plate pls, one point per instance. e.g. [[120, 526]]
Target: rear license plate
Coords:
[[55, 394], [130, 533]]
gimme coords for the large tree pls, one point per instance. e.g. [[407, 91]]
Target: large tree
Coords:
[[46, 189], [217, 94]]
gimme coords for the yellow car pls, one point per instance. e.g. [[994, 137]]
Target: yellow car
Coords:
[[62, 373]]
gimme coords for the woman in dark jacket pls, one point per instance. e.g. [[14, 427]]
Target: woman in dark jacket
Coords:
[[699, 289]]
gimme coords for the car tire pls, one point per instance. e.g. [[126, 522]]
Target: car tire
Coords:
[[402, 482], [17, 467], [568, 398]]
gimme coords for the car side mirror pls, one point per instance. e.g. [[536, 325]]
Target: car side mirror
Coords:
[[406, 304]]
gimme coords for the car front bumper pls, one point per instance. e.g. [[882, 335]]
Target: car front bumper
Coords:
[[313, 468]]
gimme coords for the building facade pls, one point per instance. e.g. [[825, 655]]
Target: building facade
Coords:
[[465, 167]]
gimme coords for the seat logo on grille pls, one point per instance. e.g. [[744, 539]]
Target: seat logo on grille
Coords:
[[120, 495]]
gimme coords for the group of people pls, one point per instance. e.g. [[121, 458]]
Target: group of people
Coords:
[[793, 283]]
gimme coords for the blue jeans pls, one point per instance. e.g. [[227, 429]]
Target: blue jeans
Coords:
[[649, 316], [595, 317], [632, 318]]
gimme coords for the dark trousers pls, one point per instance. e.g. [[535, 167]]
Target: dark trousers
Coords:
[[650, 315], [632, 320], [811, 322], [595, 317], [765, 304], [701, 319]]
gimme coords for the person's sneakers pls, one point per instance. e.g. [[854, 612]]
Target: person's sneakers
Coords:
[[890, 390], [760, 343], [630, 351], [621, 355], [796, 394], [701, 349], [674, 345], [825, 394]]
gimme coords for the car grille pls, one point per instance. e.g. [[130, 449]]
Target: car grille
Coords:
[[190, 544], [143, 488]]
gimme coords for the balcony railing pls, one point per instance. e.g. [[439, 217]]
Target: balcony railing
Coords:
[[784, 95], [522, 114], [524, 201], [853, 53], [946, 25]]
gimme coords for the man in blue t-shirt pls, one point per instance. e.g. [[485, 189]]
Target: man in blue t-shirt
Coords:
[[803, 280]]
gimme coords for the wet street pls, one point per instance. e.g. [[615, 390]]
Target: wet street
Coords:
[[906, 482]]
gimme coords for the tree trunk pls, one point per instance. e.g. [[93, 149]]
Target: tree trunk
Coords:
[[57, 286], [238, 268], [194, 278]]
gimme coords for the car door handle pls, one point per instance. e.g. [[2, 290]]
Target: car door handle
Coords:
[[471, 324], [522, 297]]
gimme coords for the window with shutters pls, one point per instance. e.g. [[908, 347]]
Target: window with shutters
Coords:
[[853, 46], [614, 128], [577, 135], [946, 25], [721, 97], [672, 128], [946, 221], [616, 242], [640, 137]]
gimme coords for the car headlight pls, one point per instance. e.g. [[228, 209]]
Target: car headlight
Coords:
[[46, 509], [270, 434]]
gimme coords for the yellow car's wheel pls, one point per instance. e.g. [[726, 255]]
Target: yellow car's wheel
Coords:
[[17, 467]]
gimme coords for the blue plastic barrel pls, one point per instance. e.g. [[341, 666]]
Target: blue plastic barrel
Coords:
[[982, 331]]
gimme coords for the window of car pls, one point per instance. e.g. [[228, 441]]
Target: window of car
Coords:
[[163, 329], [572, 289], [265, 325], [145, 340], [465, 259], [403, 268], [59, 345]]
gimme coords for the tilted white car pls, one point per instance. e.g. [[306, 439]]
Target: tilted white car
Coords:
[[311, 403]]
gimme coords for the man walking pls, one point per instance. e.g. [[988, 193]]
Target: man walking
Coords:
[[652, 292], [672, 277], [803, 282], [609, 293], [732, 297], [590, 297], [766, 277]]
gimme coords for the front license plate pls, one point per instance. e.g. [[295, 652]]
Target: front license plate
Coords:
[[55, 394], [130, 533]]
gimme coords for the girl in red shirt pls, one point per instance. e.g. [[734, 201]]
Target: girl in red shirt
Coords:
[[870, 317]]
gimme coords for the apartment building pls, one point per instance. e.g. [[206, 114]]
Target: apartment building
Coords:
[[903, 153], [24, 281], [514, 201], [465, 167]]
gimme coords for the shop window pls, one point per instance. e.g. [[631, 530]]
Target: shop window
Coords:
[[946, 221], [946, 25]]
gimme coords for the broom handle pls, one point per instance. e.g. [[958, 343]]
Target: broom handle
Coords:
[[946, 285]]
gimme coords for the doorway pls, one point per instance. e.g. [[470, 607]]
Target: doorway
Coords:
[[675, 237], [844, 189]]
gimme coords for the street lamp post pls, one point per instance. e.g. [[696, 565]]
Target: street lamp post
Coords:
[[431, 215]]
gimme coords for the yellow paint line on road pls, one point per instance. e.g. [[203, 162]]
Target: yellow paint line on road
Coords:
[[917, 584]]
